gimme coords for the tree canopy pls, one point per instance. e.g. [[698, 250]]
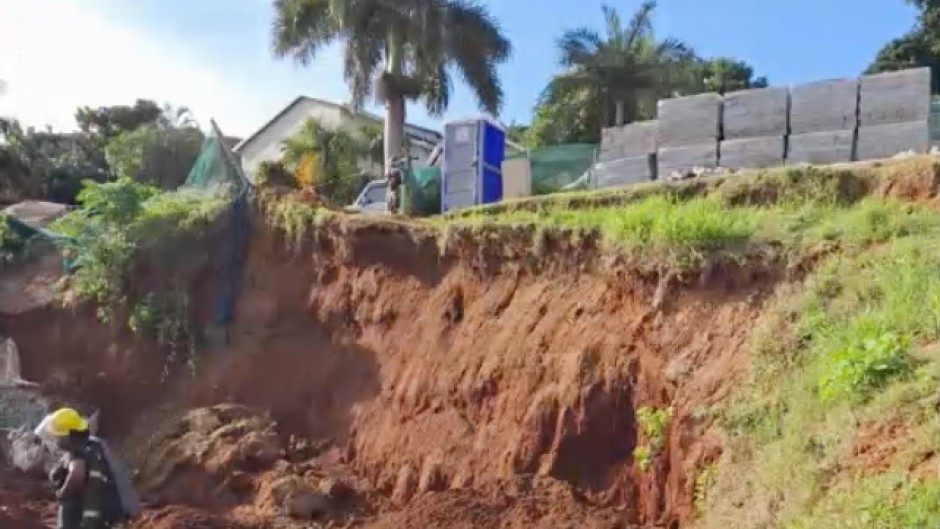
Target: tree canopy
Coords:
[[617, 77], [399, 51], [917, 48]]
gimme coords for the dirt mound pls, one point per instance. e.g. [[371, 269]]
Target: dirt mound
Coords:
[[197, 460]]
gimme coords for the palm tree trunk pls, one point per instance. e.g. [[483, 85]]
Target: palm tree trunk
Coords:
[[394, 101], [619, 112]]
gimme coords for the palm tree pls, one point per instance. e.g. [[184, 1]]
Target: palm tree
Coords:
[[326, 158], [399, 51], [626, 70]]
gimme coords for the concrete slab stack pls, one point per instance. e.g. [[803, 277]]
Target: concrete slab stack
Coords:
[[757, 113], [627, 153], [689, 129], [885, 141], [894, 113], [834, 146], [671, 159], [625, 171], [823, 120], [629, 141], [824, 106], [751, 153]]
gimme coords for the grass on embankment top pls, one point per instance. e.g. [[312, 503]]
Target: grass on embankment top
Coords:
[[844, 183], [686, 228]]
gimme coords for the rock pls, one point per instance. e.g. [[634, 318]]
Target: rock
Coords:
[[297, 499], [261, 449], [336, 489], [307, 504]]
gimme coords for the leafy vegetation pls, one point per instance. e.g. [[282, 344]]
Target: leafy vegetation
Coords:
[[400, 51], [325, 159], [617, 77], [124, 220], [853, 348], [653, 422], [142, 141], [11, 244], [916, 48], [157, 156]]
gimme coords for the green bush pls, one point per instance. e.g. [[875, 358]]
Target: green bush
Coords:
[[863, 367], [118, 222]]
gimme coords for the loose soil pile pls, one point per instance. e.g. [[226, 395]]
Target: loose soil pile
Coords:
[[372, 381]]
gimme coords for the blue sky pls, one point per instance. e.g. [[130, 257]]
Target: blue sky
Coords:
[[213, 55]]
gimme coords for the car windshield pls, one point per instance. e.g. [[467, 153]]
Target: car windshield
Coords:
[[375, 193]]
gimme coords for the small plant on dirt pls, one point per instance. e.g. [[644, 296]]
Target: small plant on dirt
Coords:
[[292, 218], [704, 481], [863, 367], [653, 422]]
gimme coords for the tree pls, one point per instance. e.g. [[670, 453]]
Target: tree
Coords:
[[326, 159], [626, 69], [919, 47], [155, 155], [724, 74], [107, 122], [569, 115], [399, 51]]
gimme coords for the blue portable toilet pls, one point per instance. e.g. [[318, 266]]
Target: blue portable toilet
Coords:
[[472, 170]]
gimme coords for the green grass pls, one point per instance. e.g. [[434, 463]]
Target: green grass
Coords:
[[687, 231], [890, 501], [857, 345]]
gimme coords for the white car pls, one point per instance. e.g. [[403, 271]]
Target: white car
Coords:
[[371, 199]]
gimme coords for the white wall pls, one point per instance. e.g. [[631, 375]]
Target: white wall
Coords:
[[266, 146]]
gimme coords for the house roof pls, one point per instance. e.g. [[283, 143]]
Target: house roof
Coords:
[[425, 134]]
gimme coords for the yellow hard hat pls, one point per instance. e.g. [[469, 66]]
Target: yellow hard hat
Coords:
[[64, 421]]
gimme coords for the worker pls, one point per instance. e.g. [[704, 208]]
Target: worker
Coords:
[[83, 481], [393, 179]]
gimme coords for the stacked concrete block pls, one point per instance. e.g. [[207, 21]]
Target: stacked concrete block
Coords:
[[629, 141], [693, 120], [671, 159], [894, 97], [824, 106], [823, 120], [885, 141], [752, 152], [834, 146], [757, 113], [894, 113], [625, 171], [689, 129]]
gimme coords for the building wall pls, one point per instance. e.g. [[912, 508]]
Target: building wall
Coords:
[[266, 146]]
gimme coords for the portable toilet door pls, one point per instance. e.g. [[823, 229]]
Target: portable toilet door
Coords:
[[472, 168]]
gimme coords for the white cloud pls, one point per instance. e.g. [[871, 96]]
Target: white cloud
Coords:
[[56, 55]]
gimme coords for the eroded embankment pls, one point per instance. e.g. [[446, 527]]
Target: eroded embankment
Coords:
[[463, 368], [458, 365]]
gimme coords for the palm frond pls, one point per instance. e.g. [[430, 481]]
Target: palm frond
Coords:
[[476, 45], [302, 28], [641, 23], [578, 46]]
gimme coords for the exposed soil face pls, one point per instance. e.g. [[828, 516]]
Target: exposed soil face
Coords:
[[487, 387]]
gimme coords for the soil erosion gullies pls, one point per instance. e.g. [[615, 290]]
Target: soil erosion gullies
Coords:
[[469, 367], [463, 371]]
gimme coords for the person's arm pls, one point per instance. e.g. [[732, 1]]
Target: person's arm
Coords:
[[74, 480]]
